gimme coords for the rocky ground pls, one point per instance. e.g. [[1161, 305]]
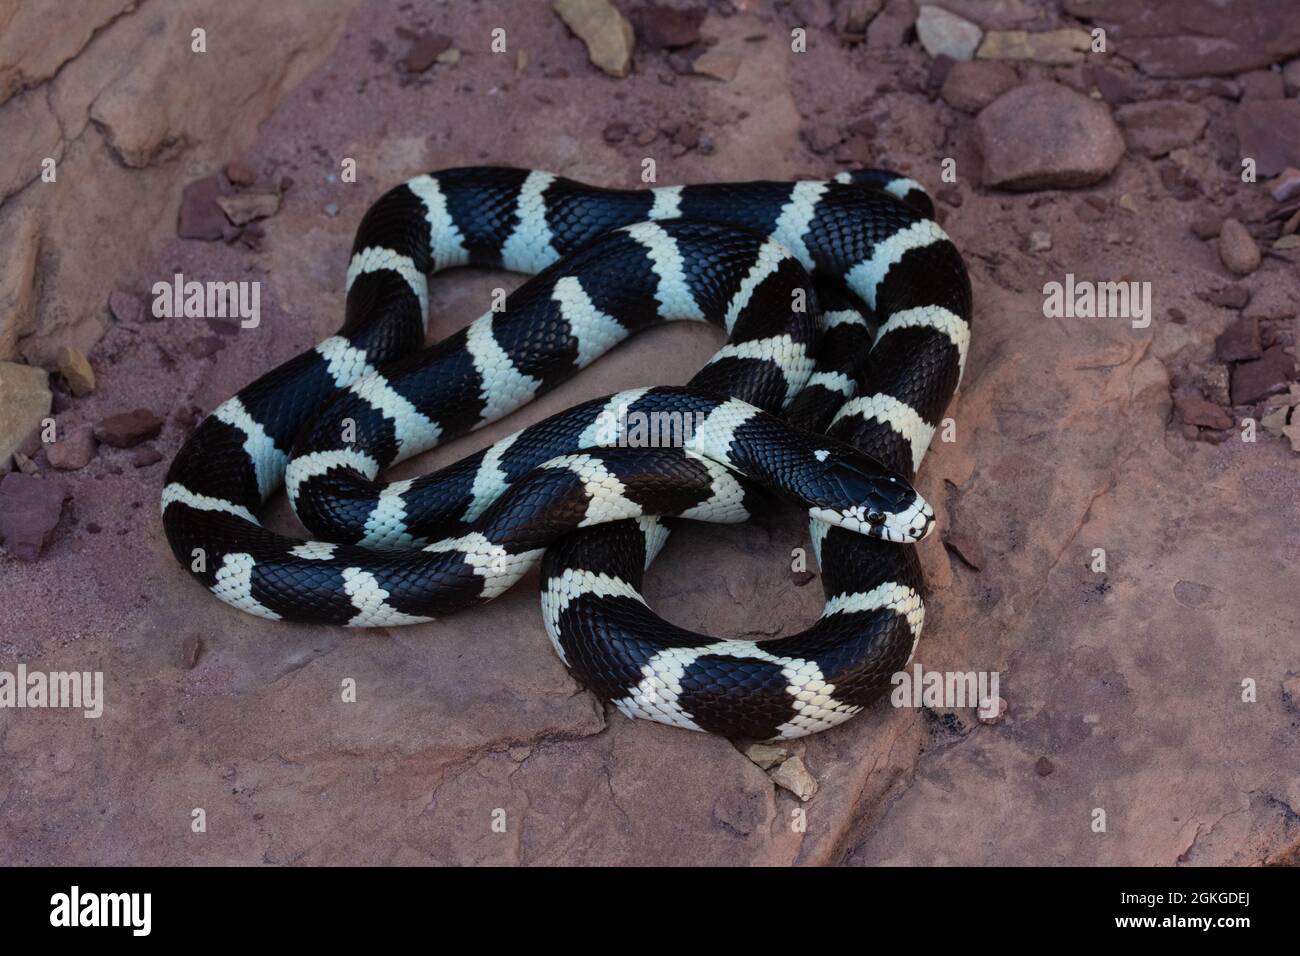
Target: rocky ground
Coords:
[[1121, 534]]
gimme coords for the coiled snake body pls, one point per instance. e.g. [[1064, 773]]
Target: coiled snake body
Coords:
[[800, 401]]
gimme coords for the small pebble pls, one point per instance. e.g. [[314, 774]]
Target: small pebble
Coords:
[[126, 307], [190, 651], [25, 464], [423, 52], [332, 210], [1237, 250], [792, 775], [766, 756], [145, 456], [128, 429], [1230, 297], [73, 451], [76, 371], [1286, 186], [240, 173]]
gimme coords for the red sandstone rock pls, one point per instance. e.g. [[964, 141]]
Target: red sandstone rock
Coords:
[[29, 510], [667, 28], [145, 456], [240, 173], [1197, 411], [1046, 136], [970, 87], [1156, 127], [1266, 376], [200, 216], [423, 52], [1262, 85], [128, 429], [73, 451], [1239, 342], [1175, 38], [1268, 131]]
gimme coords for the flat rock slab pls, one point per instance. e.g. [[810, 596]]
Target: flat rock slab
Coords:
[[1177, 38]]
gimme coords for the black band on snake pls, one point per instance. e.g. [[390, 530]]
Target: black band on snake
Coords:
[[803, 401]]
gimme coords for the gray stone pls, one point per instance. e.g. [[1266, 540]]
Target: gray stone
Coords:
[[945, 34]]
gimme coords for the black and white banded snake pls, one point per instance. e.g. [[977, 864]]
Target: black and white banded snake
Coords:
[[800, 400]]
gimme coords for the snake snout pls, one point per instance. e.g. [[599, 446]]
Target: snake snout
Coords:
[[920, 522]]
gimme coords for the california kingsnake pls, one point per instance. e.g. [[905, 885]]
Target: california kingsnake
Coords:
[[794, 272]]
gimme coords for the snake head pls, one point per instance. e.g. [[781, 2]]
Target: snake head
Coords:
[[858, 494]]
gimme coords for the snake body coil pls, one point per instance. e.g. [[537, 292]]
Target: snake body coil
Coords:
[[799, 401]]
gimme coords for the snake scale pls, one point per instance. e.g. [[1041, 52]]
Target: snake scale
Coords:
[[847, 312]]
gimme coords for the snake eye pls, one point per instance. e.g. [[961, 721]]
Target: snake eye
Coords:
[[876, 518]]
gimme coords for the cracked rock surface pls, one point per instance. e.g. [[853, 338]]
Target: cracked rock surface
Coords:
[[467, 741], [116, 96]]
